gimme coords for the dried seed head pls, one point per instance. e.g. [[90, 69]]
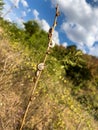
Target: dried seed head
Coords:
[[48, 52], [57, 7], [50, 30], [58, 13]]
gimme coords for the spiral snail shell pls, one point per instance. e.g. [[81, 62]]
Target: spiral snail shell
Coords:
[[41, 66], [52, 44]]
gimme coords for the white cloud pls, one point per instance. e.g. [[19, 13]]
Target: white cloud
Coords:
[[8, 14], [5, 9], [8, 19], [45, 26], [20, 22], [42, 22], [81, 24], [24, 2], [83, 48], [24, 14], [12, 16], [65, 44], [15, 2], [56, 37], [36, 14], [94, 50]]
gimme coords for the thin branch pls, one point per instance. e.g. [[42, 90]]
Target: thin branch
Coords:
[[40, 67], [10, 9]]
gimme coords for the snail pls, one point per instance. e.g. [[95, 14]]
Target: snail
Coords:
[[51, 44], [40, 66]]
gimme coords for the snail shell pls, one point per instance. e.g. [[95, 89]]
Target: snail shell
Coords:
[[52, 44], [41, 66]]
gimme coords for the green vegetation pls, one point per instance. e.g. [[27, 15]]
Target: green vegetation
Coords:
[[66, 97]]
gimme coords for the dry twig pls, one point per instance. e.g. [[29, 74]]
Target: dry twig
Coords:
[[39, 71]]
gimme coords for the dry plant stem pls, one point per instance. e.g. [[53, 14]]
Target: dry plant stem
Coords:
[[9, 10], [13, 6], [4, 68], [79, 125], [37, 79], [1, 124]]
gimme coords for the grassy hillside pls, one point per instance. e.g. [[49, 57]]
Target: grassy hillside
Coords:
[[66, 95]]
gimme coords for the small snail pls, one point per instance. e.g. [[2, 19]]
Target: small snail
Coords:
[[40, 66], [52, 44]]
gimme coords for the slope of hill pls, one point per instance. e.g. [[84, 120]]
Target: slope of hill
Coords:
[[57, 103]]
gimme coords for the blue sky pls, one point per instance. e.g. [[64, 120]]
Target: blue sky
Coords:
[[77, 24]]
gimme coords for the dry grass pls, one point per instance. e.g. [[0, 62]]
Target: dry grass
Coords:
[[53, 107], [12, 88]]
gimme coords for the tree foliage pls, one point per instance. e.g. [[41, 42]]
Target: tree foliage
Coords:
[[31, 27], [76, 66]]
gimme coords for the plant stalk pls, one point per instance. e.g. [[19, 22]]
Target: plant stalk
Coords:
[[38, 77]]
